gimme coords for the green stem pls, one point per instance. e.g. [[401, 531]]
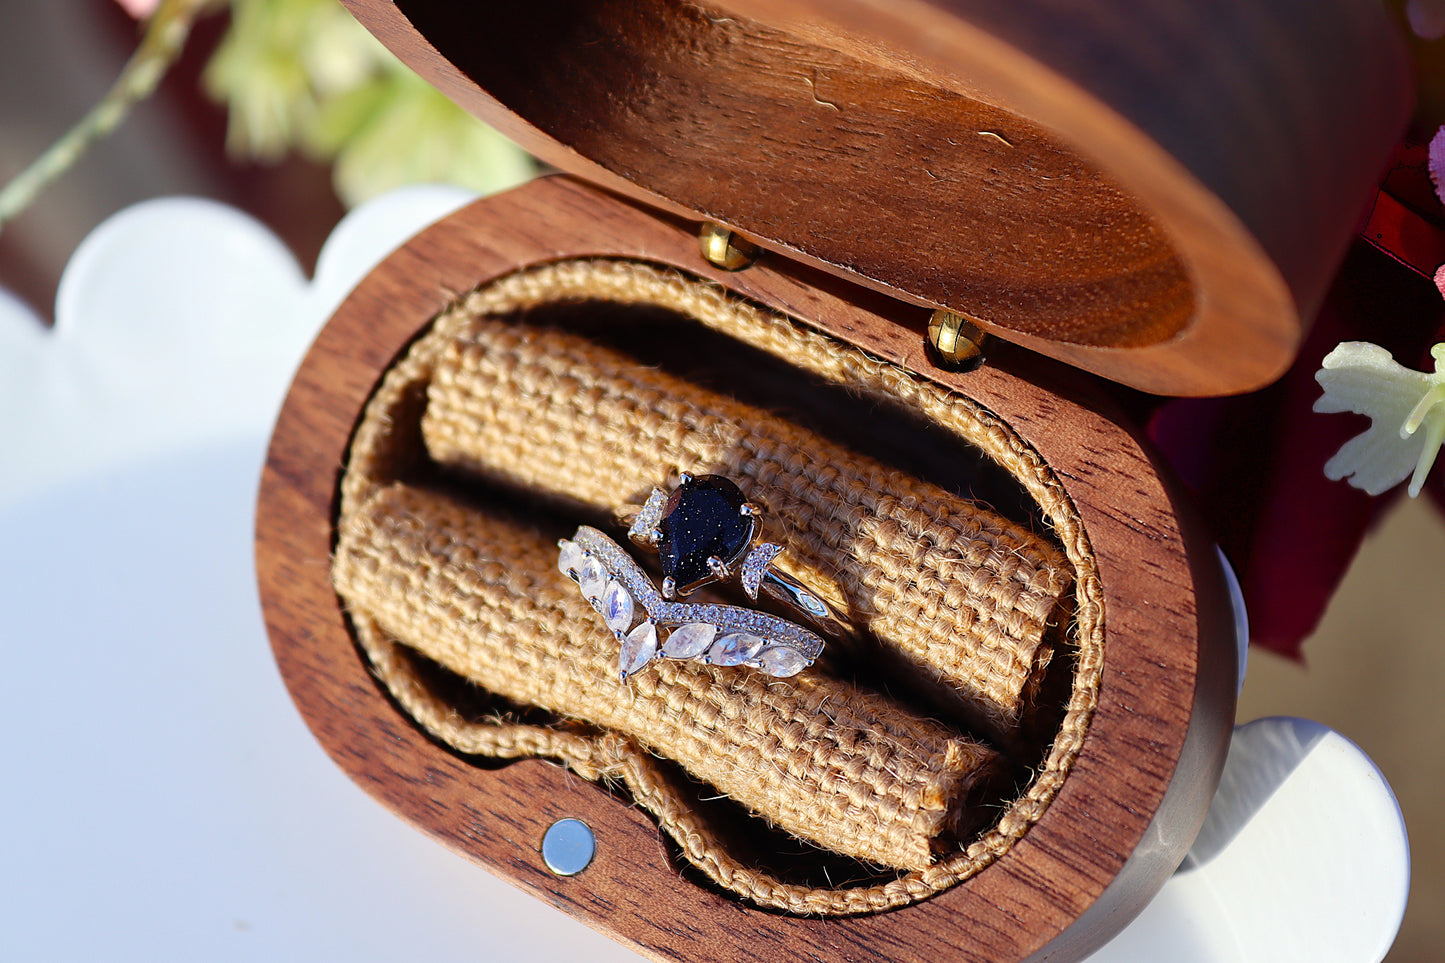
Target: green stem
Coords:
[[165, 34], [1422, 408]]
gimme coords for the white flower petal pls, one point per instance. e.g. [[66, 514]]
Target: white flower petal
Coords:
[[1375, 460], [1362, 378]]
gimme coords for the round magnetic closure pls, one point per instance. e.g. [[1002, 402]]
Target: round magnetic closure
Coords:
[[568, 846]]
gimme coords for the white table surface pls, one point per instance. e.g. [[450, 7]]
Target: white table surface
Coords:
[[162, 798]]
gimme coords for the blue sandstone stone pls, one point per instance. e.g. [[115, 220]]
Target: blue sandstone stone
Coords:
[[703, 518]]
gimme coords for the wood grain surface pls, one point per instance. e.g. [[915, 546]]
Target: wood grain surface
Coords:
[[1158, 193], [1127, 811]]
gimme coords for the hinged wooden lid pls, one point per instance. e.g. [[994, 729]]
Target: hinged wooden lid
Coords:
[[1157, 192]]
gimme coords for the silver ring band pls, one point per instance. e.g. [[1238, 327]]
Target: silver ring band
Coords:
[[650, 626]]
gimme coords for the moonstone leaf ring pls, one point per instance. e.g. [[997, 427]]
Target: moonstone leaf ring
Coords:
[[650, 626]]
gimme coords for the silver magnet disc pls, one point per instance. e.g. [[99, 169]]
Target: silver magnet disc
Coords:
[[568, 847]]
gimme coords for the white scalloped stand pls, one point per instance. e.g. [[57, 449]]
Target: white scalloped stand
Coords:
[[163, 801]]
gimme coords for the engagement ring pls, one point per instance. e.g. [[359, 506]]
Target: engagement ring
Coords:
[[649, 625], [707, 531]]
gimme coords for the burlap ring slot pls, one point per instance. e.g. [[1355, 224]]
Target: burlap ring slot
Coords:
[[963, 594], [949, 588]]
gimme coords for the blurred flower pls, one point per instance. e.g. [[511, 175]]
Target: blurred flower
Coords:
[[1436, 161], [1363, 378], [304, 75], [167, 25], [140, 9], [1427, 18]]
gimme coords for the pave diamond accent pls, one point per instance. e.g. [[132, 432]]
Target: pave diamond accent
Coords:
[[689, 641], [644, 526], [617, 607], [609, 562], [755, 566]]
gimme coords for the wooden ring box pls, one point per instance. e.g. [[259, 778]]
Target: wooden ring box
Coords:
[[1156, 194]]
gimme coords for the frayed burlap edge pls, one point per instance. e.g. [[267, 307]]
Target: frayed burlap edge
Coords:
[[385, 436]]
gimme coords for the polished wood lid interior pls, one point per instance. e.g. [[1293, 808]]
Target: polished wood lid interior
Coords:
[[1159, 196]]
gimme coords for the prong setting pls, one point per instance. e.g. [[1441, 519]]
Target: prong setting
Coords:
[[704, 531]]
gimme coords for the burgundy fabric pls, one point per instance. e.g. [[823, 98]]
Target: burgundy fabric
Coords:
[[1256, 461]]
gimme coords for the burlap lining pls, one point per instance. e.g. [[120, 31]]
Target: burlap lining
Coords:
[[409, 566], [852, 772], [963, 595]]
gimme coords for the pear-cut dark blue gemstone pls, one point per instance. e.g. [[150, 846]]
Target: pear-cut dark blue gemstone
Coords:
[[703, 518]]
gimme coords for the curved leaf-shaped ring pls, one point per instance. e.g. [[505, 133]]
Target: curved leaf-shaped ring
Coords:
[[637, 613]]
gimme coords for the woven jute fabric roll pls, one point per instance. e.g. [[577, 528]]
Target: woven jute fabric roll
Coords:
[[388, 446], [851, 771], [963, 594]]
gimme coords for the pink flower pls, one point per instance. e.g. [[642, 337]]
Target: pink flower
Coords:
[[139, 9], [1427, 18]]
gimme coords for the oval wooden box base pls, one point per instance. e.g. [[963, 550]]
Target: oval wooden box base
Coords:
[[1128, 810]]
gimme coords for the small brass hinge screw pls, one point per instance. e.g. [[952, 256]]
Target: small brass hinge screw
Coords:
[[956, 339], [725, 249]]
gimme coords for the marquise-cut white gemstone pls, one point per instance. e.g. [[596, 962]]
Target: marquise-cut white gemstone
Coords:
[[781, 661], [735, 648], [569, 558], [813, 605], [637, 649], [689, 641], [592, 579], [616, 607]]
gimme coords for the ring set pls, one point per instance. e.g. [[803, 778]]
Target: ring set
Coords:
[[704, 531]]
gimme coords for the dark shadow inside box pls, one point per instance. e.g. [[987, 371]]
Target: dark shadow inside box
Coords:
[[907, 443], [475, 705]]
